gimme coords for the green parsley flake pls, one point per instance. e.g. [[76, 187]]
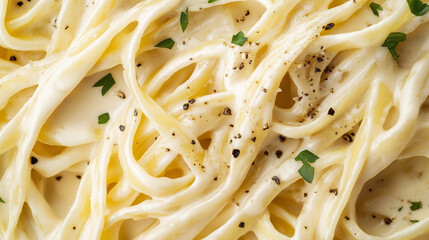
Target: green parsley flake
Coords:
[[306, 171], [103, 118], [417, 7], [106, 82], [400, 209], [392, 41], [415, 206], [239, 38], [1, 200], [184, 20], [166, 43], [414, 221], [212, 1], [375, 7]]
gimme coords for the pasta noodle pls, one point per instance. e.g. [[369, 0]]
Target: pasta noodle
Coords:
[[220, 119]]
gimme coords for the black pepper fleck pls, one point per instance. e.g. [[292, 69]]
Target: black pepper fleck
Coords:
[[235, 153], [276, 179], [78, 176], [241, 225], [227, 111], [388, 221], [121, 95], [185, 106], [331, 111], [58, 178], [20, 3], [265, 126], [329, 26], [191, 101], [253, 139], [266, 153], [317, 70], [241, 66], [12, 58], [282, 138], [34, 160], [193, 141], [122, 128], [347, 138], [279, 153], [319, 59]]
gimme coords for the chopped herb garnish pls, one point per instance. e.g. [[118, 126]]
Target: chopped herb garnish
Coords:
[[106, 82], [375, 7], [184, 20], [306, 171], [417, 7], [1, 200], [166, 43], [414, 221], [415, 206], [400, 209], [212, 1], [392, 41], [239, 38], [103, 118]]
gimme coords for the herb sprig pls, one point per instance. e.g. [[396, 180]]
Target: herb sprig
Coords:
[[166, 43], [239, 39], [106, 83], [184, 20], [392, 41], [416, 206], [103, 118], [306, 171], [417, 7], [375, 7]]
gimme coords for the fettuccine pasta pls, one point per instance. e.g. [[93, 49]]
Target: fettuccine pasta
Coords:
[[214, 119]]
